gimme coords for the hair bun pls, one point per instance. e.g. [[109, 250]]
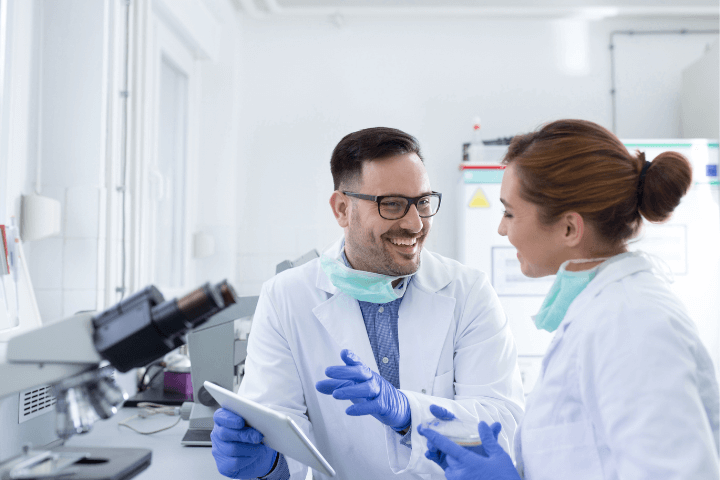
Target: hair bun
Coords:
[[666, 181]]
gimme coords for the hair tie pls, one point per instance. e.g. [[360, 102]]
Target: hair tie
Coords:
[[641, 184]]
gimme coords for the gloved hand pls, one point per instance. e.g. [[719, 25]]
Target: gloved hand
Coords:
[[370, 393], [439, 456], [462, 464], [237, 449]]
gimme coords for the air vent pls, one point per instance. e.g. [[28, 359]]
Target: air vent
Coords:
[[35, 402]]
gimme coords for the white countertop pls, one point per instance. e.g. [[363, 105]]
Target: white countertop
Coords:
[[170, 460]]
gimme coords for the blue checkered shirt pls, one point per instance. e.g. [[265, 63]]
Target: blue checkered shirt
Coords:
[[381, 323]]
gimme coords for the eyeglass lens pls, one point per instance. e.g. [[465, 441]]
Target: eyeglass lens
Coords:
[[393, 208]]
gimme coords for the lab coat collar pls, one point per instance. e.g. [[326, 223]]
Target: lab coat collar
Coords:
[[612, 270], [423, 314], [432, 276]]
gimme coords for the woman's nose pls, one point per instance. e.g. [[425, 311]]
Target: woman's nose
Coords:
[[501, 228]]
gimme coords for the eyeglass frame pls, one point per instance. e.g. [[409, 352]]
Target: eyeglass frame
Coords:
[[411, 201]]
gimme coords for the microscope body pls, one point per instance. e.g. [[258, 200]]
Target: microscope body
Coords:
[[78, 357], [216, 355]]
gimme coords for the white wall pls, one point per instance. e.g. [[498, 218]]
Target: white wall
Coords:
[[700, 98], [219, 136], [307, 82], [19, 122]]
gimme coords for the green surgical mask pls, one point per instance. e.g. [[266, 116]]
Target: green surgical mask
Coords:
[[364, 286], [564, 290]]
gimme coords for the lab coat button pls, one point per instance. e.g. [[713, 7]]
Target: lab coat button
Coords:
[[385, 359], [423, 390], [381, 309]]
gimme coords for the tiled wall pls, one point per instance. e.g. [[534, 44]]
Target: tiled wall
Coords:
[[64, 269], [68, 271]]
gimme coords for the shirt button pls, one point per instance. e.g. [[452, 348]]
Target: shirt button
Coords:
[[385, 359], [381, 309], [423, 390]]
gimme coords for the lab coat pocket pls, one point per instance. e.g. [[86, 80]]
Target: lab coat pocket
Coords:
[[561, 451], [444, 385]]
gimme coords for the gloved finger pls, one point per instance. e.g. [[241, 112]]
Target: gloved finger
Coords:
[[496, 427], [363, 408], [367, 390], [488, 439], [227, 465], [228, 419], [358, 373], [430, 445], [328, 386], [441, 413], [246, 435], [350, 358], [235, 449], [443, 443], [435, 456]]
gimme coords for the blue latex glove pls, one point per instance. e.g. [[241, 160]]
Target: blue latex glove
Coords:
[[462, 464], [439, 456], [370, 393], [237, 447]]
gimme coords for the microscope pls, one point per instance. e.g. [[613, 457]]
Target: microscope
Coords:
[[77, 357]]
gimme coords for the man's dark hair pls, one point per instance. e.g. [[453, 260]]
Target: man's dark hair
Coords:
[[365, 146]]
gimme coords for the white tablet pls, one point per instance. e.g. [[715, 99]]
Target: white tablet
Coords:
[[280, 431]]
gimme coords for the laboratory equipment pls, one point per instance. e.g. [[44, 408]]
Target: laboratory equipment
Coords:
[[217, 354], [280, 432], [282, 266], [687, 245], [475, 150], [76, 356]]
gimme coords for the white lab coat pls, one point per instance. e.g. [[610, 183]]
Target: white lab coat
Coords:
[[627, 390], [456, 350]]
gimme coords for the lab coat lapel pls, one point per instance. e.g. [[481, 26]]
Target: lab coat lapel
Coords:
[[424, 319], [341, 317]]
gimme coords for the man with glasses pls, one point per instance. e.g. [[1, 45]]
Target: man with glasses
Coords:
[[358, 344]]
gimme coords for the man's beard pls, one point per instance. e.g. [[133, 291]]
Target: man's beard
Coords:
[[371, 255]]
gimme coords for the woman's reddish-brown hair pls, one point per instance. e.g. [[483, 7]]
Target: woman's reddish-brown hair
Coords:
[[576, 165]]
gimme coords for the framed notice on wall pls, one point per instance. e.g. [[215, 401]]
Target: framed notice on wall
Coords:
[[508, 279]]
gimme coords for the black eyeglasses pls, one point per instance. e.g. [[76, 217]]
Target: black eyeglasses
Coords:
[[395, 207]]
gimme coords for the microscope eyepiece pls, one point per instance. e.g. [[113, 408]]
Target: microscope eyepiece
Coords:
[[145, 327], [199, 304]]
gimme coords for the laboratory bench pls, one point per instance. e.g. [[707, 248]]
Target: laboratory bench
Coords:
[[170, 460]]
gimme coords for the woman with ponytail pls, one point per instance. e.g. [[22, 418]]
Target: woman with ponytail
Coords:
[[627, 390]]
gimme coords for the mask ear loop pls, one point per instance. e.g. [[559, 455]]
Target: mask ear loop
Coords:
[[588, 260]]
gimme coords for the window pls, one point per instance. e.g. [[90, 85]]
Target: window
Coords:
[[168, 179]]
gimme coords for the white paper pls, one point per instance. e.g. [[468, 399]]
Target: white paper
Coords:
[[508, 279]]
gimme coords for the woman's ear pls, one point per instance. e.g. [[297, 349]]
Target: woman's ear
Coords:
[[574, 229], [340, 205]]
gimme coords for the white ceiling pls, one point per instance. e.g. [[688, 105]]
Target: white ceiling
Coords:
[[489, 8]]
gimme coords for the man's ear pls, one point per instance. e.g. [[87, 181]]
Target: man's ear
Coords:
[[573, 229], [340, 205]]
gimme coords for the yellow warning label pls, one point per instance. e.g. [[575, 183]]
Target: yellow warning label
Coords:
[[479, 200]]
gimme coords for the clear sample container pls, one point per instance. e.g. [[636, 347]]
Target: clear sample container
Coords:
[[463, 433]]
